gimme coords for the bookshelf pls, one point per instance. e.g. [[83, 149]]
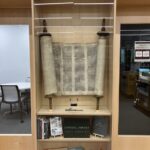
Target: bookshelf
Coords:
[[62, 139], [74, 22], [87, 112]]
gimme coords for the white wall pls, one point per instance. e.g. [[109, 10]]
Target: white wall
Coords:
[[14, 53]]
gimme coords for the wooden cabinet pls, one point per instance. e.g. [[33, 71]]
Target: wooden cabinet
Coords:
[[74, 22]]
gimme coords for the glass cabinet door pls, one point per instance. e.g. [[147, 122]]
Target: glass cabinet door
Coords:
[[134, 94]]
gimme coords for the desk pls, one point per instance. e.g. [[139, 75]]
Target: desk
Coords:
[[21, 85]]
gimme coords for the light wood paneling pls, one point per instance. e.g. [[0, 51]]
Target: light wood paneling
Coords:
[[133, 2], [133, 11], [12, 16], [87, 146], [16, 142], [88, 140], [15, 3]]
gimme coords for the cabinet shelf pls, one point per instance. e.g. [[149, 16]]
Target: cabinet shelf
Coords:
[[86, 112], [62, 139], [76, 26]]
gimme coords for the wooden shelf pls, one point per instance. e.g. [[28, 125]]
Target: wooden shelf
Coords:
[[87, 112], [72, 3], [62, 139]]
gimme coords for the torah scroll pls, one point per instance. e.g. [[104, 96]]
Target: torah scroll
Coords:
[[48, 67], [100, 67]]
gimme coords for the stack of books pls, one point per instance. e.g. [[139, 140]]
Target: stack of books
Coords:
[[76, 127]]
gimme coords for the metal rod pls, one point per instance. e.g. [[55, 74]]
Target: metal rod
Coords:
[[91, 4], [96, 18], [46, 4], [52, 18]]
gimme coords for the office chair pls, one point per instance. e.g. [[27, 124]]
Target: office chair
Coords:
[[11, 95]]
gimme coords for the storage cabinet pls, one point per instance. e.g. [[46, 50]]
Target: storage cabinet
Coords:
[[74, 22]]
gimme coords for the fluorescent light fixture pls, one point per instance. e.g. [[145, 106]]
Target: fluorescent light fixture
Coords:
[[99, 18], [93, 4]]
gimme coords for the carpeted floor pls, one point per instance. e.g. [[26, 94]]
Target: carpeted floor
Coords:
[[132, 121], [10, 123]]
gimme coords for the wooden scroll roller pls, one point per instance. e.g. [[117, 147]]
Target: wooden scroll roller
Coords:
[[48, 66], [100, 67]]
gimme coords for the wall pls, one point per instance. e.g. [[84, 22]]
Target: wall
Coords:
[[14, 53]]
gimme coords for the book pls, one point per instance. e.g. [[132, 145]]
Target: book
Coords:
[[100, 126], [46, 128], [56, 126], [39, 128], [76, 127], [43, 128]]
